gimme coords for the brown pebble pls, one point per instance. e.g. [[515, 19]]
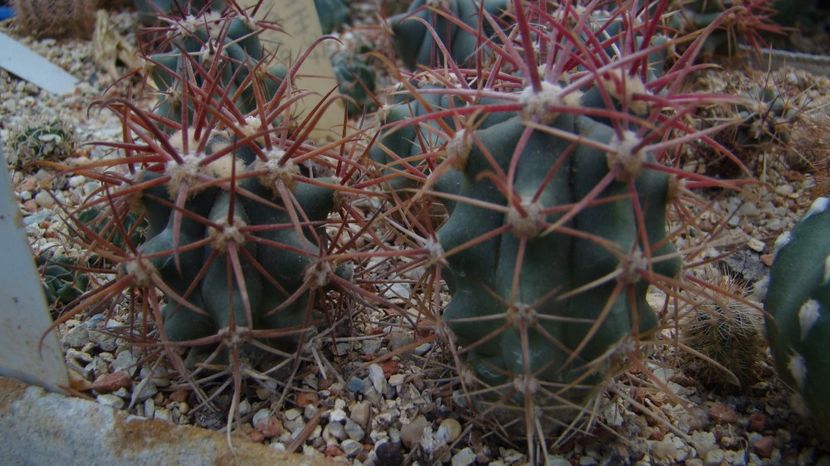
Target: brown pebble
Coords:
[[30, 205], [390, 368], [256, 436], [757, 421], [269, 426], [656, 434], [333, 451], [763, 446], [179, 395], [722, 414], [307, 398], [111, 382]]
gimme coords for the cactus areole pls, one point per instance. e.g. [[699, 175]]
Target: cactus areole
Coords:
[[798, 306]]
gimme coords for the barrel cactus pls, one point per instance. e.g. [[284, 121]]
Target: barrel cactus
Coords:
[[333, 14], [557, 226], [233, 256], [798, 306]]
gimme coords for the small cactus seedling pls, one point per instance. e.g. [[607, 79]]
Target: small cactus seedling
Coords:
[[798, 307], [725, 337], [55, 18], [52, 140]]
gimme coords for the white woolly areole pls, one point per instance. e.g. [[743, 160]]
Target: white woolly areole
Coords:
[[622, 86], [458, 149], [228, 233], [782, 240], [808, 314], [527, 385], [631, 266], [434, 250], [317, 274], [187, 171], [623, 154], [141, 270], [191, 22], [818, 206], [798, 368], [222, 168], [251, 126], [275, 171], [526, 226], [536, 104]]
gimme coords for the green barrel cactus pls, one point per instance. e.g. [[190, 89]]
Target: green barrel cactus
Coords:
[[798, 307], [355, 79], [542, 310], [415, 43], [231, 215], [333, 14], [193, 50], [150, 10], [62, 282]]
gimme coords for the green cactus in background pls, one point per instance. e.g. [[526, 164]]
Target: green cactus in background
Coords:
[[150, 10], [194, 48], [62, 283], [798, 307], [415, 43], [737, 22], [355, 79], [333, 14]]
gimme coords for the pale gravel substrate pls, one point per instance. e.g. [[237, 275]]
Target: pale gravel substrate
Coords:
[[368, 412]]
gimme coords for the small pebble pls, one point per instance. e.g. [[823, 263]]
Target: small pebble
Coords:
[[353, 430], [389, 454], [449, 430], [377, 378], [355, 385], [763, 446], [149, 408], [44, 199], [351, 447], [722, 414], [359, 413], [110, 400], [335, 430], [112, 382], [337, 415], [464, 457], [757, 421], [714, 457], [396, 380], [266, 423], [412, 433]]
